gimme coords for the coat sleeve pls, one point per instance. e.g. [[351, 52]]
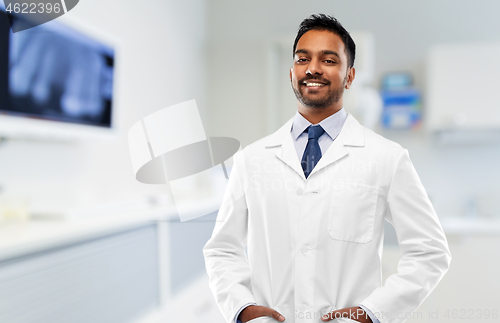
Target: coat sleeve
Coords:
[[426, 256], [225, 258]]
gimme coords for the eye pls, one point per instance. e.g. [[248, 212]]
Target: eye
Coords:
[[329, 61], [301, 60]]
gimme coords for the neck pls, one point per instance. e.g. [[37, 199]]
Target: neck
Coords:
[[316, 115]]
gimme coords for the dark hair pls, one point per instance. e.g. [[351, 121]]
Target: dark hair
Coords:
[[326, 22]]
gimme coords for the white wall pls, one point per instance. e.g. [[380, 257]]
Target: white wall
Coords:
[[161, 63]]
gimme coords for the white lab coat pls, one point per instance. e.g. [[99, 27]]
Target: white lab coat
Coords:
[[315, 245]]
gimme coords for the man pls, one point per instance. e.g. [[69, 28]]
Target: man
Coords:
[[309, 203]]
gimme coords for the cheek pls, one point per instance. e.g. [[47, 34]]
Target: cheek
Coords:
[[337, 77], [298, 73]]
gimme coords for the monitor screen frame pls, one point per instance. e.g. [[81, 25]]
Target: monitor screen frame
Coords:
[[14, 126]]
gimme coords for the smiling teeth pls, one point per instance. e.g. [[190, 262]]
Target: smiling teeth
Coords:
[[315, 84]]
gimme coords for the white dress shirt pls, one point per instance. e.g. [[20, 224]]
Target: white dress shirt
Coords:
[[332, 126]]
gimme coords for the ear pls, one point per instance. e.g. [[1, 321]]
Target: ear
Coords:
[[351, 73], [291, 69]]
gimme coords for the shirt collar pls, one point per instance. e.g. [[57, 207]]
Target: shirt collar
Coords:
[[332, 125]]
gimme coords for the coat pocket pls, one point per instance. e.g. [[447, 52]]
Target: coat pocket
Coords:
[[352, 213]]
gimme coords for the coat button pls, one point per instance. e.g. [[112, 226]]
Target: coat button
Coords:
[[300, 191], [304, 249]]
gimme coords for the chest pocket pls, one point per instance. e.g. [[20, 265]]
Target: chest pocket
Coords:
[[352, 213]]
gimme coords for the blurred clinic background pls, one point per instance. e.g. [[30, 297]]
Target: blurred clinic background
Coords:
[[82, 241]]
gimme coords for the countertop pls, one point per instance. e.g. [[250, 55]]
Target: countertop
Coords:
[[18, 238]]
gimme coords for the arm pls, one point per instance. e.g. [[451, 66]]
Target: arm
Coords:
[[426, 256], [369, 314], [236, 317], [225, 259]]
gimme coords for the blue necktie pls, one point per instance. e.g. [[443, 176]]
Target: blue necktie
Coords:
[[312, 153]]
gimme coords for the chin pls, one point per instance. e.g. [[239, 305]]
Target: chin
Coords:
[[317, 103]]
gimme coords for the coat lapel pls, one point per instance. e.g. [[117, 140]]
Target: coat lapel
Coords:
[[352, 134], [286, 152]]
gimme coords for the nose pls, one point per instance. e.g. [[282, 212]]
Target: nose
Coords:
[[314, 67]]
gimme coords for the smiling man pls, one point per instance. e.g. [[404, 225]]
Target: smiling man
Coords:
[[309, 203], [323, 67]]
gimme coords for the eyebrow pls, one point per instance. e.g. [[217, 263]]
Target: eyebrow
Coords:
[[324, 52]]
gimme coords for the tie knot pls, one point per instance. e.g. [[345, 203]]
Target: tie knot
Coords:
[[314, 132]]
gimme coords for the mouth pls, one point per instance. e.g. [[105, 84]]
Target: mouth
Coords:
[[314, 84]]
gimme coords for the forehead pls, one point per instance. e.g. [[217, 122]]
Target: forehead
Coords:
[[320, 40]]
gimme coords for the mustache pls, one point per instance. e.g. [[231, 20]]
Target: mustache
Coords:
[[312, 78]]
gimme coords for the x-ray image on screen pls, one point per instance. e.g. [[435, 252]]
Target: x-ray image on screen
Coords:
[[59, 74]]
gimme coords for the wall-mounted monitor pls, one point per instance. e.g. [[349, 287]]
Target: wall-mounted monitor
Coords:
[[56, 80]]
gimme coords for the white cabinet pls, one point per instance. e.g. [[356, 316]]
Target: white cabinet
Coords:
[[463, 89], [102, 278], [107, 269]]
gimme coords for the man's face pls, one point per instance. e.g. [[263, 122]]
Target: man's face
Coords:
[[320, 70]]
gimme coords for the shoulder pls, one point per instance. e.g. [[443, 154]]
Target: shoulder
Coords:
[[378, 142], [367, 143], [259, 144], [264, 146], [258, 149], [387, 154]]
